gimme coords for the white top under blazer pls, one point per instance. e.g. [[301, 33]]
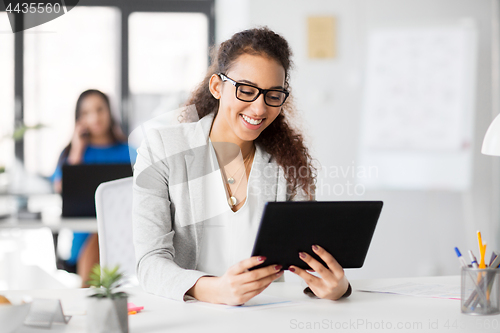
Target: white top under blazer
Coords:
[[229, 239]]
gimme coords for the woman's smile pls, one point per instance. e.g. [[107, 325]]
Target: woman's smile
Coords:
[[251, 123]]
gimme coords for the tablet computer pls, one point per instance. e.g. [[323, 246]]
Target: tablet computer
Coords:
[[343, 228]]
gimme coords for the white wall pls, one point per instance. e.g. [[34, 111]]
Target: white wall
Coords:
[[231, 16], [418, 229]]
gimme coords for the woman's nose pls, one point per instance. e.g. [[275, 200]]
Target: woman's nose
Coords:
[[259, 106]]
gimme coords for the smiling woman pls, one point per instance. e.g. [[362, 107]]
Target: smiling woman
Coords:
[[264, 60], [198, 199]]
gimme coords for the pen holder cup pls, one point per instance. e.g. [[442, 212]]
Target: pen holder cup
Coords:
[[480, 291]]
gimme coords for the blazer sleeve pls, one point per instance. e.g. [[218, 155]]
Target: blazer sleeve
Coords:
[[153, 230]]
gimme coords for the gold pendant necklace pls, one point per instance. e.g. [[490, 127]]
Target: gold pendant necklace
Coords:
[[230, 180], [232, 201]]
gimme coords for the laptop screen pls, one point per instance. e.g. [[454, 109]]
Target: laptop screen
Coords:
[[79, 183]]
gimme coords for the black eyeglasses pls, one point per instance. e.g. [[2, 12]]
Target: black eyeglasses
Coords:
[[248, 93]]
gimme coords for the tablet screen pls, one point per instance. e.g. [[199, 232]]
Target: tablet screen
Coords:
[[343, 228]]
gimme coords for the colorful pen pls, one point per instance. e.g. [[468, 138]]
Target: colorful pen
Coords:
[[493, 257], [482, 250], [496, 262], [460, 258], [482, 263], [473, 259], [496, 259]]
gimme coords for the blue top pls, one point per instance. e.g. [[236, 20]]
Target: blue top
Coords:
[[113, 154]]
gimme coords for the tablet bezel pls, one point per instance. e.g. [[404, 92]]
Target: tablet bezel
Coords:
[[281, 235]]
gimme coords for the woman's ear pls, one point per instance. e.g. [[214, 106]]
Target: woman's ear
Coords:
[[215, 86]]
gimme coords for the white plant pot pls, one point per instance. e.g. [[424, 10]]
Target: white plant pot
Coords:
[[105, 315]]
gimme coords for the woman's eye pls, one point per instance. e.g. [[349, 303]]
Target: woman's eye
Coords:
[[247, 92], [274, 97]]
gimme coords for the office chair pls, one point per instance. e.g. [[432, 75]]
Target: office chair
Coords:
[[113, 201]]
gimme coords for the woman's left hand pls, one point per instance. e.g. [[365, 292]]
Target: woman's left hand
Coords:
[[332, 284]]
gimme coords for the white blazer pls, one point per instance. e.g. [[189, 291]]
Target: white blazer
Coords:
[[173, 197]]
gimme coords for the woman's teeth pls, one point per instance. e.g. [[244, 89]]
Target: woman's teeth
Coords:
[[251, 121]]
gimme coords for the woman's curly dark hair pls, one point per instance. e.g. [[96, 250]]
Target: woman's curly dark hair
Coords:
[[279, 139]]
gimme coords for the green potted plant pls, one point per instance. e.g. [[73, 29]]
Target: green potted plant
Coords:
[[17, 135], [106, 307]]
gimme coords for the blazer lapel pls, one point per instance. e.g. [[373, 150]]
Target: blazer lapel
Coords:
[[204, 179]]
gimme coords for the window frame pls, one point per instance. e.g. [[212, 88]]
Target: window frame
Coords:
[[126, 7]]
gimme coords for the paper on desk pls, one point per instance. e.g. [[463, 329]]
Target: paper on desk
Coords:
[[258, 302], [416, 289]]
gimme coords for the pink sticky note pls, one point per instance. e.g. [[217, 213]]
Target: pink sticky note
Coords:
[[132, 307]]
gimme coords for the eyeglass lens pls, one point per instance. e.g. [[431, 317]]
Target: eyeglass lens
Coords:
[[249, 94]]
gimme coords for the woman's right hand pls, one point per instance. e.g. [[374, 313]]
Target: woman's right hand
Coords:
[[78, 143], [238, 285]]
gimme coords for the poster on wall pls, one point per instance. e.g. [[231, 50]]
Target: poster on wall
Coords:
[[418, 107]]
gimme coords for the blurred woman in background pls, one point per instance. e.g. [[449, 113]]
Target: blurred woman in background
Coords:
[[97, 139]]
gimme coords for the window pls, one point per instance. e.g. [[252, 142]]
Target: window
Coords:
[[88, 47], [7, 108], [63, 58], [167, 59]]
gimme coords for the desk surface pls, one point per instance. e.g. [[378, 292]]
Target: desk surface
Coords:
[[362, 312], [50, 207], [82, 224]]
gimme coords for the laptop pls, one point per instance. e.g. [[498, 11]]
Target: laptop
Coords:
[[79, 183]]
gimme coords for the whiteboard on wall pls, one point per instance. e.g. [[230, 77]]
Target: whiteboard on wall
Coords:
[[418, 107]]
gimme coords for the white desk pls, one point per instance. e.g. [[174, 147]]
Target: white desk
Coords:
[[362, 312], [81, 224], [50, 206]]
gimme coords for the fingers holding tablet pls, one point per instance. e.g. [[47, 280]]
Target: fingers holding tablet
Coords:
[[308, 278], [332, 284], [316, 265], [270, 273], [239, 284], [333, 265], [260, 278], [246, 264]]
